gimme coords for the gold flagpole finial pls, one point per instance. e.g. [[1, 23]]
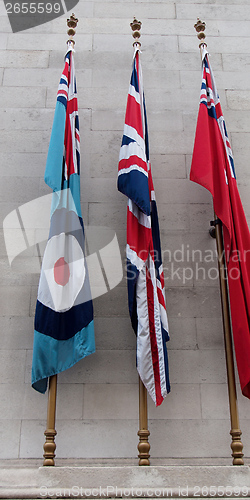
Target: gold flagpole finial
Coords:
[[72, 24], [135, 27], [200, 27]]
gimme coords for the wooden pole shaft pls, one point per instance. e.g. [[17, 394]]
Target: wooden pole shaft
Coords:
[[50, 433], [235, 432], [143, 433]]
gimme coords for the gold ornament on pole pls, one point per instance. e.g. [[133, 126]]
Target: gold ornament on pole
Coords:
[[236, 444], [200, 27], [50, 433], [72, 24], [143, 433], [135, 27]]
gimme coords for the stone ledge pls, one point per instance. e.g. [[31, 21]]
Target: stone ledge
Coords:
[[128, 482]]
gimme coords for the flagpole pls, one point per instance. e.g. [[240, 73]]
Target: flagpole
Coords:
[[143, 432], [50, 432], [236, 444]]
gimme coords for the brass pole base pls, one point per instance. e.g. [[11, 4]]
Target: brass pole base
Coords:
[[49, 447], [143, 447], [237, 447]]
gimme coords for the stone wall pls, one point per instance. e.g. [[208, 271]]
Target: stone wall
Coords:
[[97, 411]]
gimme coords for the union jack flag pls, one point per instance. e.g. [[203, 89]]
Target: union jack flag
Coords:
[[213, 167], [145, 279]]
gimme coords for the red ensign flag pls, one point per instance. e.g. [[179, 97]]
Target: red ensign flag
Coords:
[[213, 167]]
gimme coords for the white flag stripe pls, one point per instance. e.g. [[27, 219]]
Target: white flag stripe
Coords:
[[132, 149], [132, 167], [158, 331], [133, 134], [133, 257], [143, 219], [144, 353], [134, 94]]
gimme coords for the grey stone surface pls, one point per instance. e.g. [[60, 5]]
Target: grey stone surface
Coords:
[[97, 402]]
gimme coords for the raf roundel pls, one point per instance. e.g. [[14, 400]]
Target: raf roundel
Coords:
[[62, 277]]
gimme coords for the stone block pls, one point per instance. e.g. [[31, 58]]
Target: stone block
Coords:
[[10, 439], [236, 62], [104, 214], [12, 366], [200, 216], [110, 78], [185, 366], [29, 164], [24, 59], [22, 41], [99, 99], [15, 300], [101, 166], [238, 99], [23, 97], [42, 77], [16, 119], [107, 43], [210, 333], [189, 438], [107, 120], [213, 366], [98, 438], [146, 11], [240, 142], [84, 9], [193, 302], [180, 191], [3, 40], [232, 12], [172, 217], [16, 332], [101, 190], [114, 333], [11, 401], [32, 439], [68, 404], [25, 141], [114, 303], [24, 188], [122, 43], [160, 79], [103, 367], [183, 402], [182, 332], [237, 121], [168, 166], [172, 142], [214, 401], [228, 80], [217, 45], [110, 401]]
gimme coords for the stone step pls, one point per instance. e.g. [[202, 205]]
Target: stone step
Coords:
[[127, 482]]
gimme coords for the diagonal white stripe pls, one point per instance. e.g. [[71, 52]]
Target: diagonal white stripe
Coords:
[[132, 149], [143, 219]]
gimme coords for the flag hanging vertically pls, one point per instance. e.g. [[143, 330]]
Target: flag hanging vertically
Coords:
[[213, 167], [145, 280], [64, 329]]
